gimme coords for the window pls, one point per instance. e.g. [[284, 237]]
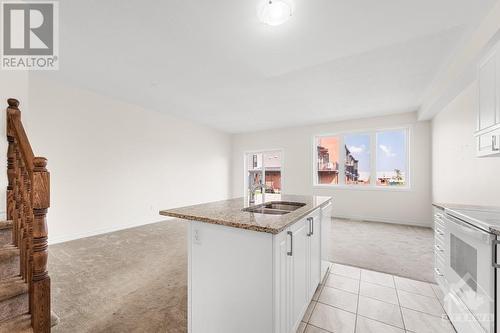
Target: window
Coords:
[[391, 158], [264, 166], [367, 159], [328, 160], [357, 159]]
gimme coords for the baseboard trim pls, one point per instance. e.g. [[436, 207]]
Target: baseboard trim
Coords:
[[385, 220], [96, 232], [101, 231]]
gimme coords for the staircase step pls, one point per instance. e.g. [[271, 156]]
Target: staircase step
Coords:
[[9, 261], [19, 324], [6, 224], [5, 232], [14, 300]]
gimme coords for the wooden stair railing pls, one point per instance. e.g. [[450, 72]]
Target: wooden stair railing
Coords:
[[28, 198]]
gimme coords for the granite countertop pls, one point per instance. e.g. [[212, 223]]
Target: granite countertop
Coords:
[[229, 212], [486, 218]]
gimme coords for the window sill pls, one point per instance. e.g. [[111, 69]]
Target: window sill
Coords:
[[363, 188]]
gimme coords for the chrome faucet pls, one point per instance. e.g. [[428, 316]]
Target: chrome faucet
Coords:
[[254, 188]]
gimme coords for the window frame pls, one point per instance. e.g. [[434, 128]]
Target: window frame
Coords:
[[372, 186], [262, 151]]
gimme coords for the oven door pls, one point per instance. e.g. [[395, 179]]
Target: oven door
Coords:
[[469, 270]]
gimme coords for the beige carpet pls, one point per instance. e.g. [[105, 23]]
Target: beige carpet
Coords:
[[396, 249], [133, 280]]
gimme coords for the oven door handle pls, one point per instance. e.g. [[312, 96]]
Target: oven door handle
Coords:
[[494, 253]]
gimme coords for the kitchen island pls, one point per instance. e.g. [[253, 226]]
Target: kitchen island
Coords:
[[254, 267]]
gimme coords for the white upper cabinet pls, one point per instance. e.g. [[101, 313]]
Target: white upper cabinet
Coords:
[[498, 84], [488, 116], [487, 93]]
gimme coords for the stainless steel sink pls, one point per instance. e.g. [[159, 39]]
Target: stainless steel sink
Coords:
[[275, 207]]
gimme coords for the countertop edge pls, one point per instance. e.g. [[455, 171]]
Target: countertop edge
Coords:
[[452, 207], [250, 227]]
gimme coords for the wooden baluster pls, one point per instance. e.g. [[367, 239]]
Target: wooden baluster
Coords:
[[24, 227], [12, 163], [18, 193], [40, 301], [10, 204], [28, 231]]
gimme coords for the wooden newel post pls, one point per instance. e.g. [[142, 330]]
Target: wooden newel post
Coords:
[[40, 302]]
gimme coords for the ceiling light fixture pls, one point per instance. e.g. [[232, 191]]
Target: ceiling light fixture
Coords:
[[274, 12]]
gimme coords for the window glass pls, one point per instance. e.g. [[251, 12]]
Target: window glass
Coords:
[[272, 174], [254, 170], [357, 159], [328, 160], [391, 158], [264, 168]]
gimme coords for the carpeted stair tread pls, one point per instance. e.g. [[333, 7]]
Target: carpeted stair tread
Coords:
[[12, 287], [19, 324], [6, 224], [8, 251]]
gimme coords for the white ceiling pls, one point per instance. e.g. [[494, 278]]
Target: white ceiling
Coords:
[[214, 62]]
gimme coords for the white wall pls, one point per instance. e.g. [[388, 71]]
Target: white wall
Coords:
[[114, 165], [460, 70], [407, 207], [458, 175]]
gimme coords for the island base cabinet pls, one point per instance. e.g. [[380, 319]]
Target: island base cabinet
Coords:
[[314, 247], [230, 280], [246, 281], [326, 222], [297, 271]]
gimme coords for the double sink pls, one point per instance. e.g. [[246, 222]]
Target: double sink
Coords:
[[275, 207]]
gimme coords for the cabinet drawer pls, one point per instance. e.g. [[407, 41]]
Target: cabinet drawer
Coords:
[[439, 248], [439, 231], [439, 225]]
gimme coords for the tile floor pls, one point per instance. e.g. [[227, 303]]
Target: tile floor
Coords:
[[354, 300]]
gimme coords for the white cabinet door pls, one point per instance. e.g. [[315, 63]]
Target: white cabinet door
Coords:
[[315, 254], [281, 290], [488, 144], [487, 93], [498, 85], [299, 271], [326, 220]]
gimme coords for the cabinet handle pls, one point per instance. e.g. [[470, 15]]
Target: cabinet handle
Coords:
[[438, 273], [290, 253], [312, 225], [309, 219], [494, 254], [439, 232], [494, 143]]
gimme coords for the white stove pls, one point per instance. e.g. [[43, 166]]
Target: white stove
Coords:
[[470, 254]]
